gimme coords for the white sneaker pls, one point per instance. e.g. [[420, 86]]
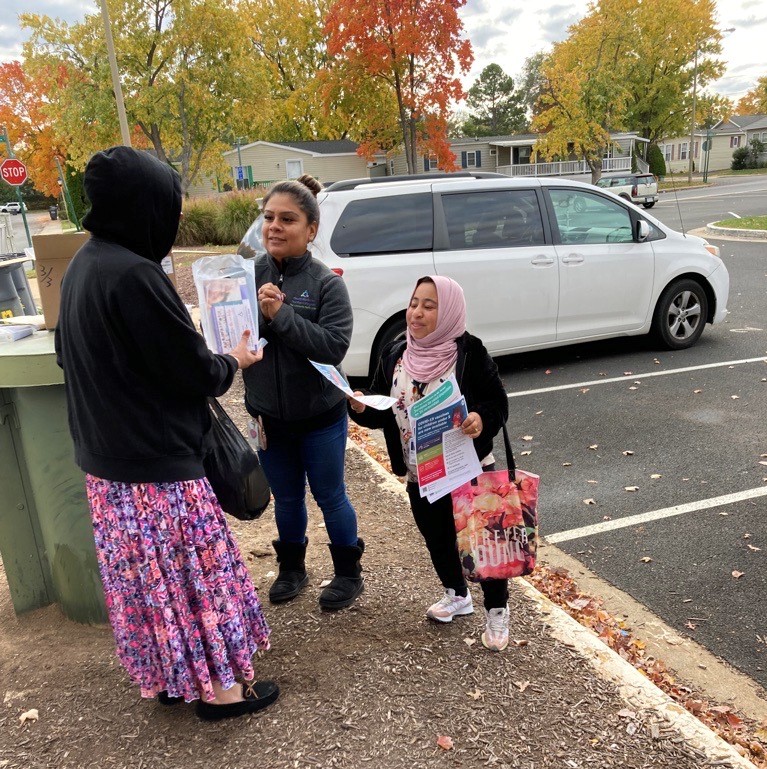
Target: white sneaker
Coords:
[[496, 635], [449, 606]]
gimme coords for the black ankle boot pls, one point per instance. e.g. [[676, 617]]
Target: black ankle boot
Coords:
[[347, 583], [292, 577]]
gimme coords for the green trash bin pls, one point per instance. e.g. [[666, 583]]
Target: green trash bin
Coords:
[[46, 537]]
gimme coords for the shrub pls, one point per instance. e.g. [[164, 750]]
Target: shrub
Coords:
[[234, 215], [656, 160], [198, 225], [740, 159]]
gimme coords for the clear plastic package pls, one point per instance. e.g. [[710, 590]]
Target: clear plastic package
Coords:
[[226, 291]]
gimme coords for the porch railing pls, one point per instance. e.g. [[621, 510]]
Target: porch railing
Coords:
[[564, 168]]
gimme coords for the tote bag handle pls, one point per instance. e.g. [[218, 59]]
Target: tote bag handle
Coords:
[[510, 463]]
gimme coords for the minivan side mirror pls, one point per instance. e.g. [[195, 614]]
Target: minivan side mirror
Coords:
[[643, 230]]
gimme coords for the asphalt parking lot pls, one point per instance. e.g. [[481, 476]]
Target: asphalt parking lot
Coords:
[[694, 424]]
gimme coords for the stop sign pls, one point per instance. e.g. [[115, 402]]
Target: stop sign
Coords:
[[13, 171]]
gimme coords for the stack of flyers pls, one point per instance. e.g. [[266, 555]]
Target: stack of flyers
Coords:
[[229, 312]]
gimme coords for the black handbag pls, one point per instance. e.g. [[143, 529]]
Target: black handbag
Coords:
[[233, 469]]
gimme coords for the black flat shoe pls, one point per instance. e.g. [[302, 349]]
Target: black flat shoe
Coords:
[[164, 699], [257, 694]]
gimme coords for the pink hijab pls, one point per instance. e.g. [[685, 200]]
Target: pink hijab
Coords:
[[429, 358]]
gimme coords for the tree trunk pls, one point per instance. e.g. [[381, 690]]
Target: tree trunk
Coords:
[[595, 164]]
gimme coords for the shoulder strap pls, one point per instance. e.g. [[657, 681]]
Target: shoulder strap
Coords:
[[509, 455]]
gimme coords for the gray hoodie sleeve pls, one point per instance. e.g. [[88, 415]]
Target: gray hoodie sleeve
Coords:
[[328, 339]]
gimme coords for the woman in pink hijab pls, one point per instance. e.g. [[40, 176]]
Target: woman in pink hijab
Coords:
[[437, 346]]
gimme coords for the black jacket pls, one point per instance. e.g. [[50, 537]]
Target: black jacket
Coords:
[[478, 380], [137, 373], [314, 323]]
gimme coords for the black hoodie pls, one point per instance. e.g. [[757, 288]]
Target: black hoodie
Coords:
[[137, 372]]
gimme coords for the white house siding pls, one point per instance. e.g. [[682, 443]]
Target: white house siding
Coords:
[[268, 164], [203, 187]]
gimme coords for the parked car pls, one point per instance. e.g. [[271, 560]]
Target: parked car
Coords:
[[13, 207], [543, 262], [638, 188]]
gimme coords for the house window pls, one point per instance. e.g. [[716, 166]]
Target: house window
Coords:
[[493, 152], [734, 141], [432, 163], [391, 168], [764, 136], [667, 151], [683, 151], [471, 159], [695, 150], [294, 168]]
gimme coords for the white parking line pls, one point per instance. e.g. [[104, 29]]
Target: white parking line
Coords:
[[732, 213], [631, 377], [667, 512]]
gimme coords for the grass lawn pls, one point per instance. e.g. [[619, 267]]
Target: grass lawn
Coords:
[[744, 172], [680, 184], [746, 223]]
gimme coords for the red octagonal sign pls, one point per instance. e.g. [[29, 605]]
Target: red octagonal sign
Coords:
[[13, 171]]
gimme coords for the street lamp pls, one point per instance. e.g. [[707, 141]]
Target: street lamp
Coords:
[[694, 105]]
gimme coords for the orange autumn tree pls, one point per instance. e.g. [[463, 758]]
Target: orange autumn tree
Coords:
[[23, 103], [414, 47]]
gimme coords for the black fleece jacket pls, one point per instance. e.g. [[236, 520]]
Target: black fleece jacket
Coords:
[[137, 373], [478, 381]]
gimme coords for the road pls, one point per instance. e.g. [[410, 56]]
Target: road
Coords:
[[684, 428], [36, 221]]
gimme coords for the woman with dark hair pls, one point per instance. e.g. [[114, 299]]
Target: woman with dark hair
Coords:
[[305, 315], [437, 346], [186, 618]]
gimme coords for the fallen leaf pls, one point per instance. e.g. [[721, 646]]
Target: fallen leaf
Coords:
[[594, 446], [738, 574], [445, 742], [633, 388], [724, 513], [763, 463], [476, 694], [325, 582], [690, 625], [589, 501], [656, 475], [592, 481], [607, 518], [538, 413], [627, 373], [735, 397], [527, 437], [626, 713], [754, 548], [469, 641], [579, 603], [567, 464], [525, 453], [631, 488], [29, 715], [628, 453], [521, 685], [270, 573], [584, 389], [520, 642], [646, 559], [695, 706], [548, 371], [697, 392], [687, 600], [746, 536], [655, 360]]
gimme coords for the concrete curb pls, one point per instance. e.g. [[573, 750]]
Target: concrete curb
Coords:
[[715, 231], [636, 690]]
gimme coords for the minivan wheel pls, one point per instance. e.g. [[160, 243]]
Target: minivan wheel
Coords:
[[395, 330], [680, 315], [649, 205]]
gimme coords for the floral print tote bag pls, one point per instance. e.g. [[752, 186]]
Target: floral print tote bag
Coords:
[[496, 522]]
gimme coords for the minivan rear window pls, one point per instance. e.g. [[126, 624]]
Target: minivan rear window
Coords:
[[386, 224]]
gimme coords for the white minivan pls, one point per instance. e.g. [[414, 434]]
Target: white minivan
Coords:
[[543, 262]]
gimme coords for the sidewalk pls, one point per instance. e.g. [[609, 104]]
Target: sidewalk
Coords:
[[372, 686]]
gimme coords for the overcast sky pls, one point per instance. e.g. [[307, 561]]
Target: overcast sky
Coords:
[[507, 32]]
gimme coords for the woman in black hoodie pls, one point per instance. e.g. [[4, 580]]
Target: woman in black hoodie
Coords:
[[185, 615]]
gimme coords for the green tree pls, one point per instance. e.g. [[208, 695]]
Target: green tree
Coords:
[[184, 67], [626, 64], [755, 101], [495, 107], [656, 161], [531, 83], [711, 108]]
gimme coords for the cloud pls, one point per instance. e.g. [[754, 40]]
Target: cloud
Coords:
[[560, 17], [748, 22]]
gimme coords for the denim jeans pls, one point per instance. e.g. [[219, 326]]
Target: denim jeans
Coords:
[[289, 460]]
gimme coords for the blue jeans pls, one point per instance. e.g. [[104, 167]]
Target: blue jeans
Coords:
[[288, 460]]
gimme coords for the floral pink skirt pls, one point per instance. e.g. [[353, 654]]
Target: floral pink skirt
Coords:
[[180, 600]]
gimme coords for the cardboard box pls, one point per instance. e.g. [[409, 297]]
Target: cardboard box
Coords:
[[53, 253], [169, 268]]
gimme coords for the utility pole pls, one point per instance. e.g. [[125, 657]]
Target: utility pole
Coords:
[[9, 147], [124, 132], [692, 121]]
